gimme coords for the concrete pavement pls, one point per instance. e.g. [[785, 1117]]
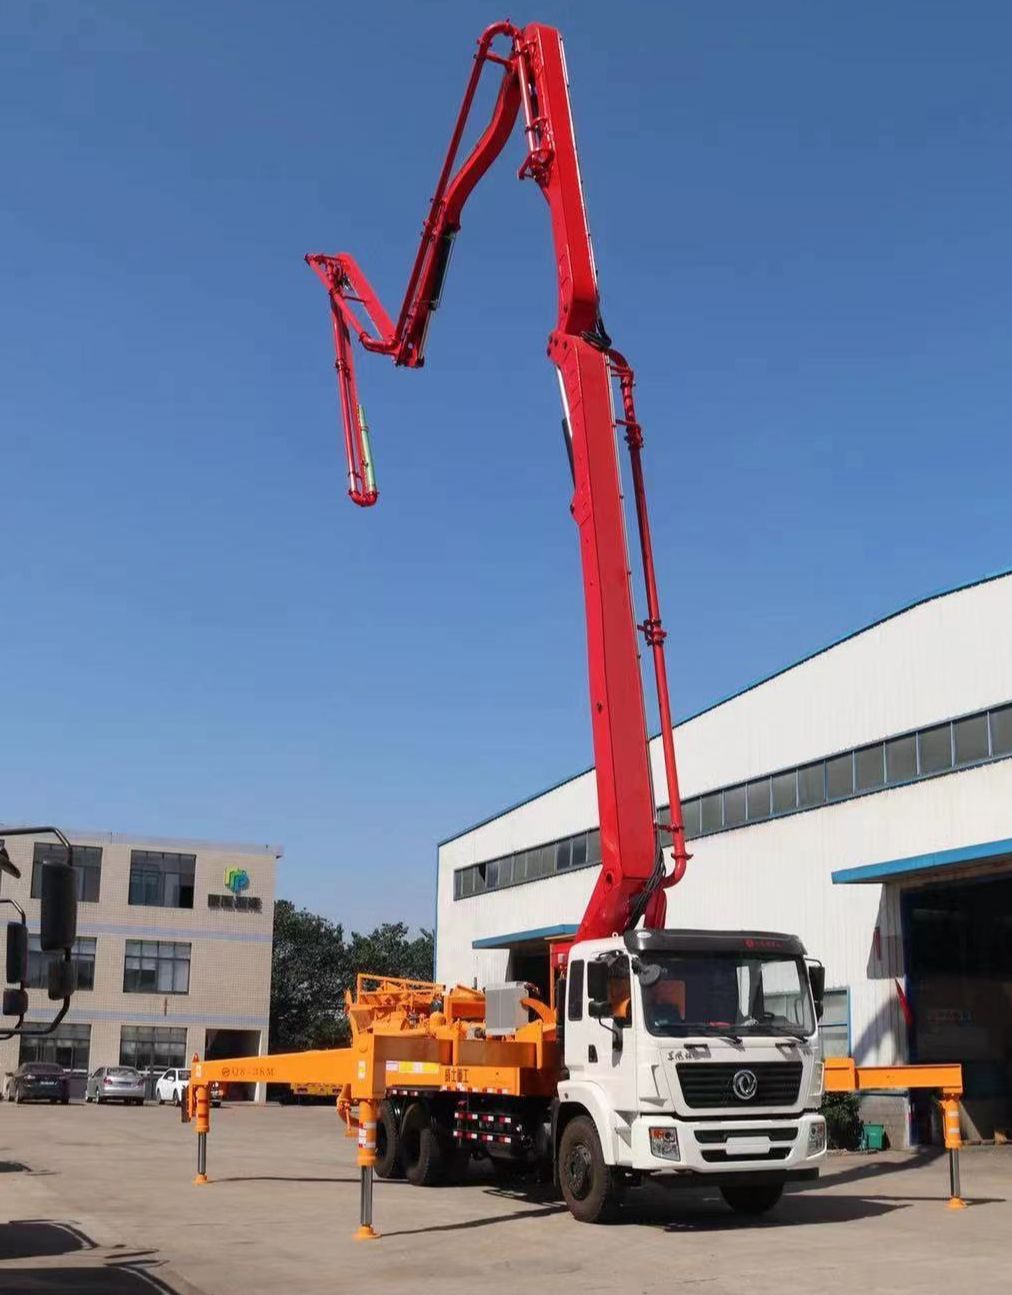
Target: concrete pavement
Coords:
[[101, 1199]]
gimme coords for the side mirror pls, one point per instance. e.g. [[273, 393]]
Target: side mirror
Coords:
[[649, 973], [58, 915], [15, 1002], [62, 979], [17, 953], [599, 1008], [817, 979]]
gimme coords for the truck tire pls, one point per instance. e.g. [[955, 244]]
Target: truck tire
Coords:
[[588, 1184], [752, 1198], [389, 1163], [422, 1147]]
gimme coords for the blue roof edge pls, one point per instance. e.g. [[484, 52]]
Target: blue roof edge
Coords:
[[864, 629], [894, 868], [561, 929]]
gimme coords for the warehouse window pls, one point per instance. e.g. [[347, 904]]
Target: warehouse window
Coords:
[[840, 777], [934, 748], [969, 739], [160, 879], [87, 867], [734, 806], [901, 758], [869, 767], [156, 967], [152, 1047], [960, 743], [1001, 731], [812, 785], [67, 1046], [834, 1028], [82, 955]]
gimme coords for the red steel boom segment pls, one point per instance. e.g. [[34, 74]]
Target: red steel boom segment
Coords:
[[632, 881]]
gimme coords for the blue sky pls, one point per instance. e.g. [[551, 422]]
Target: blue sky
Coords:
[[801, 217]]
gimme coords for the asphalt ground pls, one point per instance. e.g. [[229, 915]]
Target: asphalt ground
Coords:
[[101, 1200]]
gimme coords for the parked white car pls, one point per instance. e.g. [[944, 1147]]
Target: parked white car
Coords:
[[171, 1085]]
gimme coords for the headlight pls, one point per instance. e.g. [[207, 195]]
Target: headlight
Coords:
[[818, 1079], [817, 1137], [664, 1143]]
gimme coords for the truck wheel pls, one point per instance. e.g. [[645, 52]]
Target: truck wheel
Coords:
[[389, 1163], [422, 1148], [588, 1184], [752, 1198]]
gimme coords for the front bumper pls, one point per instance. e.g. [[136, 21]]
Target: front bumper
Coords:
[[733, 1146]]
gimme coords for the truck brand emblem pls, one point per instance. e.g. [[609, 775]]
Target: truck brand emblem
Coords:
[[744, 1085]]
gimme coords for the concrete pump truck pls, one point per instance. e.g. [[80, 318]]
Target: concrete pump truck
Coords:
[[692, 1054]]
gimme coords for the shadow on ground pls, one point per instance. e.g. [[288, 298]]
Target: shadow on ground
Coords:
[[110, 1272]]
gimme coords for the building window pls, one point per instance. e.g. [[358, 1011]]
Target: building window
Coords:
[[901, 758], [969, 739], [840, 777], [1001, 731], [812, 785], [160, 879], [152, 1047], [934, 747], [785, 792], [869, 767], [758, 799], [734, 806], [834, 1028], [87, 867], [82, 955], [713, 820], [68, 1046], [690, 815], [156, 967]]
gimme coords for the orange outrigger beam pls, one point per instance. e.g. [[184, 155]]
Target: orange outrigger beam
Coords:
[[843, 1075]]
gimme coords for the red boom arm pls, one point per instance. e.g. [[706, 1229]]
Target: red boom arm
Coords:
[[632, 880]]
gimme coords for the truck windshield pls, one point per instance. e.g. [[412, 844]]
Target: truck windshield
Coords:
[[729, 994]]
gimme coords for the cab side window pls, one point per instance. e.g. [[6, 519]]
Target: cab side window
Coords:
[[574, 1009]]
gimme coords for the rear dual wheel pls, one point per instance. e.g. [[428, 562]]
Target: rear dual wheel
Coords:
[[389, 1163], [429, 1155]]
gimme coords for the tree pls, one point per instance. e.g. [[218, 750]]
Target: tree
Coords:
[[313, 965], [308, 975]]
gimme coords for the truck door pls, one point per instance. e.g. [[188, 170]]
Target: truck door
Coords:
[[602, 1051]]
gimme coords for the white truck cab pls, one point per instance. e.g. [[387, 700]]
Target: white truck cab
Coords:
[[691, 1054]]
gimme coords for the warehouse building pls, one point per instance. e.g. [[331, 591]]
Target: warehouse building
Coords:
[[173, 952], [861, 798]]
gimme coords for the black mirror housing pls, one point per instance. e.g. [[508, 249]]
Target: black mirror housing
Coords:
[[58, 916], [62, 979], [15, 1002], [599, 1008], [17, 953]]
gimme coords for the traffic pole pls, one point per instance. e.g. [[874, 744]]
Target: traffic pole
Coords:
[[953, 1141], [366, 1164]]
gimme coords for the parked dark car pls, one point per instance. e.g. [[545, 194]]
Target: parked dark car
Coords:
[[39, 1081]]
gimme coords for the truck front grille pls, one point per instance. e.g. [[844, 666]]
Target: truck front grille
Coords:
[[711, 1084]]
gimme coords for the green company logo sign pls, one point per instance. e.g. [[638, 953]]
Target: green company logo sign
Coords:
[[236, 880]]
